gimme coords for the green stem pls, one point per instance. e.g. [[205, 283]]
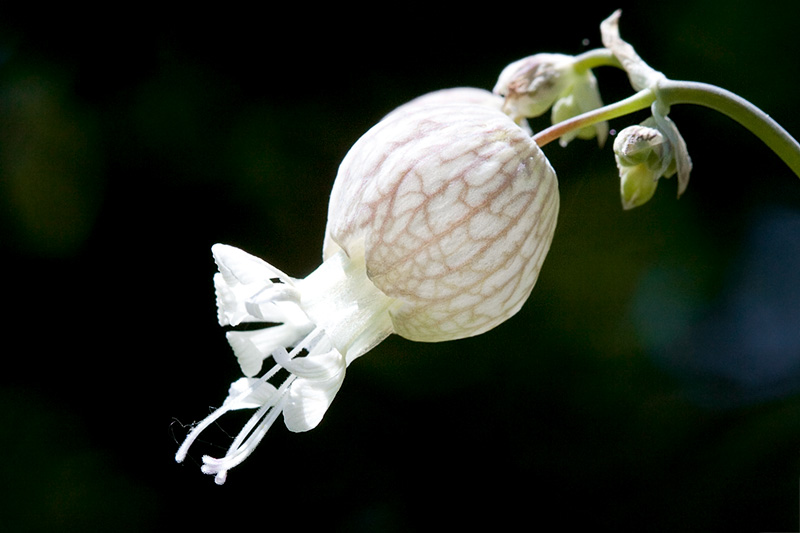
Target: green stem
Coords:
[[641, 100], [599, 57], [685, 92], [738, 109]]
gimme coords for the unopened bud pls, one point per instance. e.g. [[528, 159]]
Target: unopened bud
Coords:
[[533, 84], [643, 156]]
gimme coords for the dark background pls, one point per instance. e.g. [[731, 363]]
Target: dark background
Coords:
[[649, 384]]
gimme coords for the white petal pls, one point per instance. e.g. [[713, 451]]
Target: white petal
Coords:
[[237, 266], [231, 300], [252, 347], [245, 292], [317, 366], [248, 393], [319, 377], [308, 400], [270, 300]]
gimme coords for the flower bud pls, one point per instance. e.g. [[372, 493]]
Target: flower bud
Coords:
[[534, 84], [643, 155]]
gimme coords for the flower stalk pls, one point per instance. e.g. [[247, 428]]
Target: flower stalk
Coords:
[[641, 100], [671, 92], [737, 108], [658, 92]]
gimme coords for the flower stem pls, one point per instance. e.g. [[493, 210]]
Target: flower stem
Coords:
[[738, 109], [599, 57], [641, 100], [686, 92]]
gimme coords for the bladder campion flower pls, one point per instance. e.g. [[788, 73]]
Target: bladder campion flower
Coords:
[[439, 221], [438, 224]]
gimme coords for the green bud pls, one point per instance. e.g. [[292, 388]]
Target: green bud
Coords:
[[643, 155]]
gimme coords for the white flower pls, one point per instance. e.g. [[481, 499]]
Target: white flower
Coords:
[[439, 221]]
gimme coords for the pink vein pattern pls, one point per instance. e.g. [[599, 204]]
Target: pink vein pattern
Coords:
[[454, 208]]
